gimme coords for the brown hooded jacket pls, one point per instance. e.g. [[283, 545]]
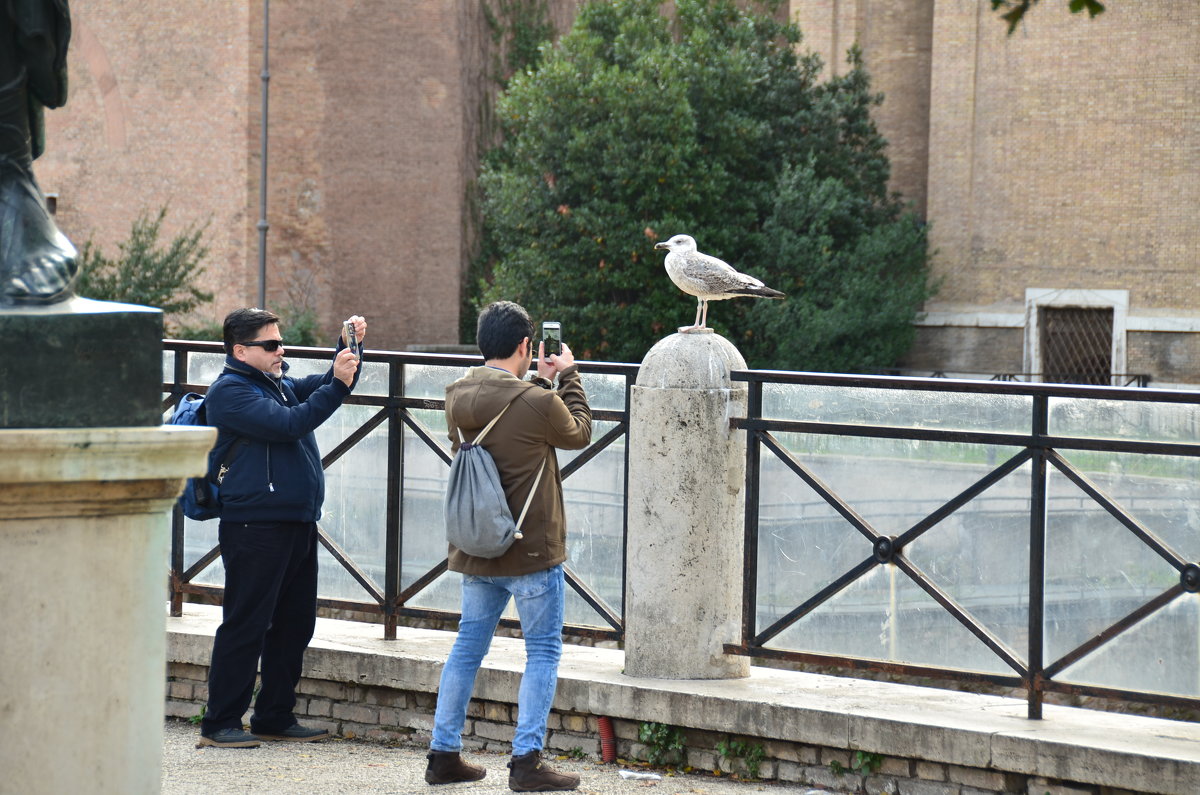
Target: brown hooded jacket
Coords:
[[538, 420]]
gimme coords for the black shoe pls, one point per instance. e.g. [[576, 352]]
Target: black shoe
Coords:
[[448, 767], [528, 773], [228, 738], [295, 734]]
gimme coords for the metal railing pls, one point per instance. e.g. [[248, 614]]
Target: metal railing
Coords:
[[1112, 576], [1110, 379], [390, 590]]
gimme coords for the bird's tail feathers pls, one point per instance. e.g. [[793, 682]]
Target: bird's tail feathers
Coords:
[[761, 292]]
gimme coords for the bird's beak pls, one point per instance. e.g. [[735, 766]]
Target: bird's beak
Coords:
[[660, 245]]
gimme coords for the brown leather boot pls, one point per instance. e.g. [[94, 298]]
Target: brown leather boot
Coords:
[[528, 773], [448, 767]]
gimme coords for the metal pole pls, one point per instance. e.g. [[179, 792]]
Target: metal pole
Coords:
[[1037, 556], [263, 226]]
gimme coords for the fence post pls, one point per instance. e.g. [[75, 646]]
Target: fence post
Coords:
[[683, 593]]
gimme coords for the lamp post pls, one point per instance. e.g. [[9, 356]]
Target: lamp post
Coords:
[[263, 226]]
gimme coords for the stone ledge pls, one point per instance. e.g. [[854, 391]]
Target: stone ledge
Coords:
[[985, 733]]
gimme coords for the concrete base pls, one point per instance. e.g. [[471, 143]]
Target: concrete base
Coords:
[[929, 740], [683, 594], [84, 534]]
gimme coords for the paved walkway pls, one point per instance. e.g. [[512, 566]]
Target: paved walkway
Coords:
[[339, 767]]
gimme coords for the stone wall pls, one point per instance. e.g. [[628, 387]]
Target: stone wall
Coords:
[[389, 715], [157, 115], [1064, 157]]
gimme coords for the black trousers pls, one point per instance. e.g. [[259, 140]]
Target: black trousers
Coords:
[[269, 612]]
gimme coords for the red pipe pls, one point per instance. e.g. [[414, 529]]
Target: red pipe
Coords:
[[608, 741]]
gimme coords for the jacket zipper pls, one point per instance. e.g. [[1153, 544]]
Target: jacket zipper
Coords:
[[271, 481]]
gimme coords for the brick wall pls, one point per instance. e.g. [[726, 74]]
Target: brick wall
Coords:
[[156, 116], [1064, 156], [383, 714], [896, 37]]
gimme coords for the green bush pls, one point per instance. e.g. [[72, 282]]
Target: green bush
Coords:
[[147, 273], [635, 128]]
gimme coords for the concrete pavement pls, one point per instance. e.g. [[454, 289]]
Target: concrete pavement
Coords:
[[346, 767]]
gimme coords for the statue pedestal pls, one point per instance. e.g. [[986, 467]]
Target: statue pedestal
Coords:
[[84, 534], [81, 364]]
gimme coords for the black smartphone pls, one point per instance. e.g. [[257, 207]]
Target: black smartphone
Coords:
[[351, 338], [552, 336]]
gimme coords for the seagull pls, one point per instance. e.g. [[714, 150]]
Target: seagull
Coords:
[[707, 278]]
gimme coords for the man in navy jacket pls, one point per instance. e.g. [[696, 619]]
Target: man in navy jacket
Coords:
[[271, 496]]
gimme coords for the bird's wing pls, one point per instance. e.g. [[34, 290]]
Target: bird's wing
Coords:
[[702, 267]]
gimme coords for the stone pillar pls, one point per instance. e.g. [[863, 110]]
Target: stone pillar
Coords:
[[84, 533], [683, 595]]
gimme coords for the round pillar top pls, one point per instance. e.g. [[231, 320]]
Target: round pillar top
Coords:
[[695, 360]]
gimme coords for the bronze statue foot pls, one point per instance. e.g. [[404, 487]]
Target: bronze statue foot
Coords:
[[37, 262]]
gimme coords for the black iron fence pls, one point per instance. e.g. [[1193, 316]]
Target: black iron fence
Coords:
[[386, 460], [1036, 536]]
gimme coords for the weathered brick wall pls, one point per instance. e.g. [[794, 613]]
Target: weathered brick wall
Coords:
[[967, 350], [377, 112], [896, 37], [156, 116], [1065, 155], [401, 716], [1171, 357]]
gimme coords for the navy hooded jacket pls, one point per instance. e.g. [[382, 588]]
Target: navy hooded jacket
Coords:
[[276, 476]]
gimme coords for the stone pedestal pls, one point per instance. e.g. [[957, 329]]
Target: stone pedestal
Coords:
[[81, 364], [686, 500], [84, 534]]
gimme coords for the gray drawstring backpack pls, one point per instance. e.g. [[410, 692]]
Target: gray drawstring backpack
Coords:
[[478, 520]]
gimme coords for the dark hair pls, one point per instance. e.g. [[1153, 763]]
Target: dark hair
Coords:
[[502, 325], [243, 325]]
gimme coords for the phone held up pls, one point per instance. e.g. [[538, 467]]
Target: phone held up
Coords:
[[351, 339], [552, 336]]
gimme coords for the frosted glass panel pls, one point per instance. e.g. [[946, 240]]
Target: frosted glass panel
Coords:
[[424, 542], [444, 593], [803, 543], [1159, 654], [885, 616], [430, 380], [1117, 419], [355, 511], [604, 392], [594, 499], [979, 556], [892, 483], [198, 539], [203, 368], [1161, 492], [372, 376], [1097, 570], [900, 408]]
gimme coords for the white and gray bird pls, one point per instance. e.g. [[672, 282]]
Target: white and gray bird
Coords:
[[707, 278]]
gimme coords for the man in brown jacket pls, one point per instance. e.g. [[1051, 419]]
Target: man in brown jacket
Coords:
[[539, 419]]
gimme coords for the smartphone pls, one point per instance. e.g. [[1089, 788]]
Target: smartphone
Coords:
[[552, 336], [351, 338]]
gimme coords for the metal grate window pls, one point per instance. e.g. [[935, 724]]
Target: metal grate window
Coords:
[[1076, 345]]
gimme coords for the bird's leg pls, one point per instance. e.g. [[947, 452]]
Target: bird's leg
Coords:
[[700, 305], [704, 318]]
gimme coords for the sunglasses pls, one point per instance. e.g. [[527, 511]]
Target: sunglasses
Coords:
[[270, 346]]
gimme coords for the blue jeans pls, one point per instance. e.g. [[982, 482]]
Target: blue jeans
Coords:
[[539, 599]]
